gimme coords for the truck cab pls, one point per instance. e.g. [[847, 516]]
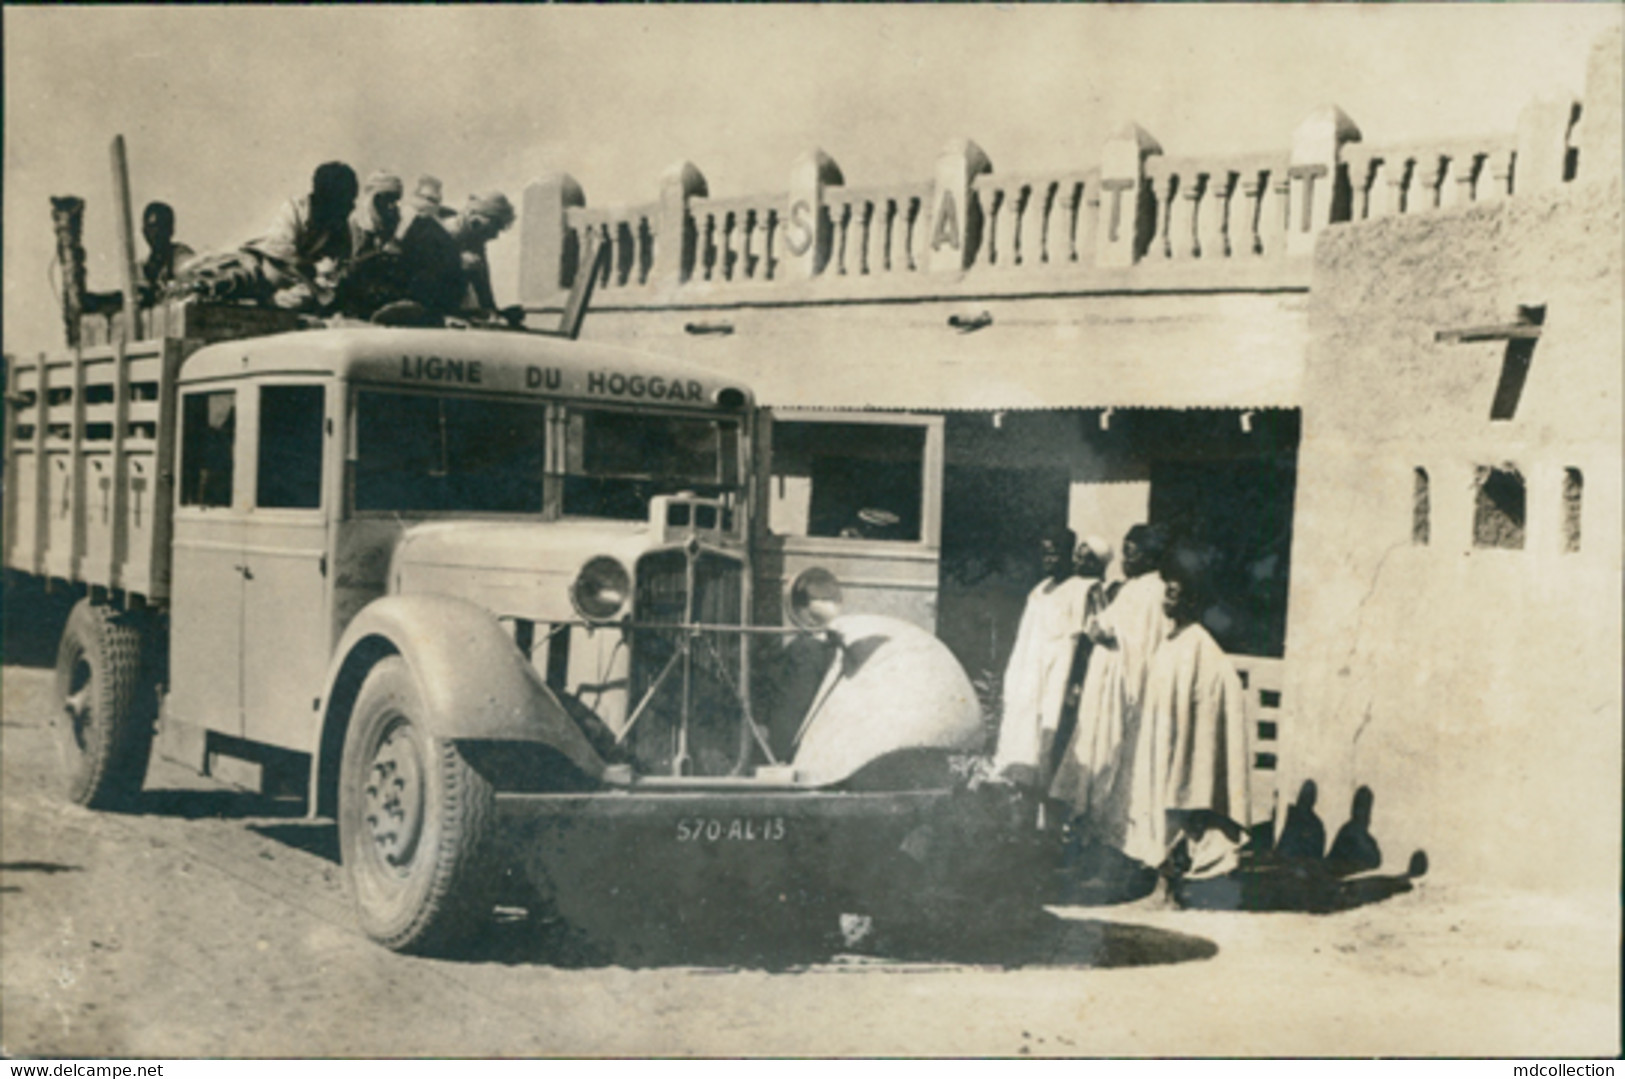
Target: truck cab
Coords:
[[320, 472]]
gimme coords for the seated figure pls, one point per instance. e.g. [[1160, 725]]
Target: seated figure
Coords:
[[164, 255]]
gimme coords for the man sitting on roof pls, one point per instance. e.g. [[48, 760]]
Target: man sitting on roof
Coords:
[[482, 220], [375, 275], [431, 262], [163, 253], [308, 243], [377, 217]]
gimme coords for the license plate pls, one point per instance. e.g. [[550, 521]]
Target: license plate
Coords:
[[730, 829]]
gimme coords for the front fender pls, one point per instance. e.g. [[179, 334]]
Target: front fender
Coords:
[[894, 687], [475, 682]]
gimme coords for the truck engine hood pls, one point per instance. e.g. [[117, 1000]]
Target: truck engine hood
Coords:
[[522, 569]]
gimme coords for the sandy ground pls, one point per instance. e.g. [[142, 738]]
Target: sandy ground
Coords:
[[213, 924]]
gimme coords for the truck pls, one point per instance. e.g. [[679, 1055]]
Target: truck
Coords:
[[496, 602]]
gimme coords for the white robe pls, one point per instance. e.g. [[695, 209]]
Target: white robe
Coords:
[[1036, 675], [1093, 774], [1191, 752]]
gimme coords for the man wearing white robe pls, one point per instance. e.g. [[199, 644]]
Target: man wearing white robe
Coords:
[[1089, 563], [1189, 779], [1092, 777], [1035, 678]]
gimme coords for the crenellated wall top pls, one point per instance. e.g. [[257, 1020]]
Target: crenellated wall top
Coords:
[[1138, 219]]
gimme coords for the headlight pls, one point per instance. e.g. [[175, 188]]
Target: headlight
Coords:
[[813, 599], [601, 590]]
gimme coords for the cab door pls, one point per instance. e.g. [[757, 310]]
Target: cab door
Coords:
[[285, 557], [206, 594], [860, 494]]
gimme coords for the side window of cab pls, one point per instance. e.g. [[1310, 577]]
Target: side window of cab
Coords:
[[208, 448], [848, 480], [289, 472]]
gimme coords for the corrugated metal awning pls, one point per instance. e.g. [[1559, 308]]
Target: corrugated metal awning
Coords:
[[1200, 380]]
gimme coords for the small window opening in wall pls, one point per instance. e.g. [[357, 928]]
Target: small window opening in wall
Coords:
[[1573, 488], [1571, 156], [1498, 519], [1421, 510]]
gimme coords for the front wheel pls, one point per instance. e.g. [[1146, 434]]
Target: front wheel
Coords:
[[415, 820], [105, 705]]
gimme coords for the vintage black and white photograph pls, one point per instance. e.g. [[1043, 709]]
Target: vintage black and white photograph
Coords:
[[813, 531]]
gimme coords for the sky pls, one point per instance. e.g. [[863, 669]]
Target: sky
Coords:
[[226, 110]]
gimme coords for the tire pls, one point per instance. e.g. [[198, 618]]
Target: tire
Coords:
[[105, 706], [415, 821]]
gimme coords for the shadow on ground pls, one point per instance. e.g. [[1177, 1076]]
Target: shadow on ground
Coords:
[[1307, 888], [318, 837], [50, 869], [186, 804], [1097, 876], [1046, 941]]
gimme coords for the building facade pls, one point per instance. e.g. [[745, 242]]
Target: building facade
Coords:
[[958, 362]]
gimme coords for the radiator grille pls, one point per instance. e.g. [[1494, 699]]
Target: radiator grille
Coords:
[[714, 665]]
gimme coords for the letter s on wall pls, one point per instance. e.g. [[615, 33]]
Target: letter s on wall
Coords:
[[798, 234]]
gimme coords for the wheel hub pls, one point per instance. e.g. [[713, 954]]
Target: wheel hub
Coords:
[[76, 702], [394, 797]]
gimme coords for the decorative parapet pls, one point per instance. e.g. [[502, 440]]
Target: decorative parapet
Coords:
[[1140, 220], [1414, 178], [1217, 209]]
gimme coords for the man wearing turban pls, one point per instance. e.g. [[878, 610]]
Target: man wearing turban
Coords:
[[377, 216], [1035, 679], [482, 220], [1089, 564], [1093, 773]]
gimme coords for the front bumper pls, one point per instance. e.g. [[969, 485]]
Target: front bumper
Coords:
[[917, 853]]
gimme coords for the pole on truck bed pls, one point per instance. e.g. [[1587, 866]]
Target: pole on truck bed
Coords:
[[121, 196], [594, 263]]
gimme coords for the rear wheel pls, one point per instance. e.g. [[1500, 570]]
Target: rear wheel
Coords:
[[105, 706], [415, 821]]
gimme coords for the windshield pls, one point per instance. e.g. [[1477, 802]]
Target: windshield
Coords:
[[419, 453], [616, 461]]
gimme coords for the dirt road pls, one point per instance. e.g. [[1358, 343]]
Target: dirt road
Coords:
[[210, 923]]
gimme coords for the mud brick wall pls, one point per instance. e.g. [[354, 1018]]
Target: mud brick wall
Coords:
[[1474, 687]]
